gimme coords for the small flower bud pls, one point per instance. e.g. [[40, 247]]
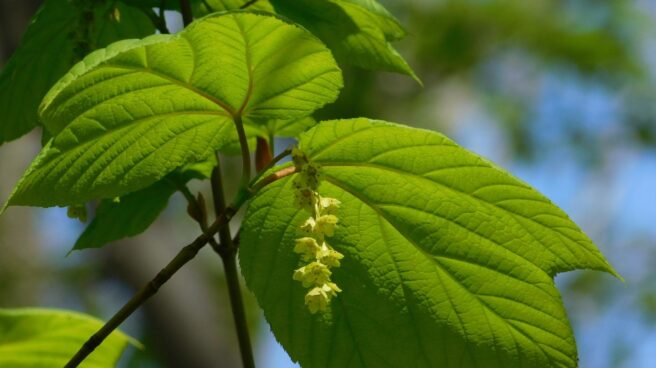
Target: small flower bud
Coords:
[[329, 256], [315, 273], [309, 225], [331, 289], [326, 225], [299, 158], [311, 173], [305, 199], [317, 300], [329, 206], [319, 297], [307, 247]]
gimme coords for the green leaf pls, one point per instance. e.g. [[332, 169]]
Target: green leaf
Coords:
[[357, 31], [43, 338], [132, 214], [129, 216], [197, 170], [293, 128], [449, 260], [390, 26], [129, 114], [204, 7], [118, 22], [46, 53], [283, 127]]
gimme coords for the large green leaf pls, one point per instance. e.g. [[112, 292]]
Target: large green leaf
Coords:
[[46, 53], [386, 21], [41, 338], [133, 213], [449, 260], [131, 113], [117, 21], [357, 31]]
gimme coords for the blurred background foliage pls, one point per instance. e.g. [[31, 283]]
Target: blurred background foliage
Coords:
[[559, 92]]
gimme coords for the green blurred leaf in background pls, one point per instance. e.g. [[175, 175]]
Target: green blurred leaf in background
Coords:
[[43, 338]]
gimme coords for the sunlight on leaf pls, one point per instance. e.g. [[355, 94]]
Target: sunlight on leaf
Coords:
[[131, 113], [448, 259], [42, 338], [357, 31]]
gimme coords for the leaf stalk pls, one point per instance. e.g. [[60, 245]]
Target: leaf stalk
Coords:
[[187, 15], [245, 152], [270, 164], [271, 178]]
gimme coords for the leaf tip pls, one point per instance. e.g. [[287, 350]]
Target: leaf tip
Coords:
[[608, 268], [5, 206], [416, 78], [75, 247], [614, 273]]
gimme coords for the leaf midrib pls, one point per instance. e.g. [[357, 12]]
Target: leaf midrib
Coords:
[[177, 82], [249, 67]]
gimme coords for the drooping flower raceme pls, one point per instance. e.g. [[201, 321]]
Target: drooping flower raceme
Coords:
[[312, 247]]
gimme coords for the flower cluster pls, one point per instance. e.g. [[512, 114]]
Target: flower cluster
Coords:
[[313, 247]]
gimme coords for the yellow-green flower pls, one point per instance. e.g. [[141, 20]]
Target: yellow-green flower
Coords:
[[329, 256], [309, 225], [329, 206], [307, 247], [321, 224], [315, 273], [325, 225], [319, 297]]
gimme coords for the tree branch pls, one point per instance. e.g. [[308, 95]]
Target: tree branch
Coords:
[[187, 15], [220, 204], [228, 253], [158, 21], [247, 4], [185, 255], [229, 258]]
